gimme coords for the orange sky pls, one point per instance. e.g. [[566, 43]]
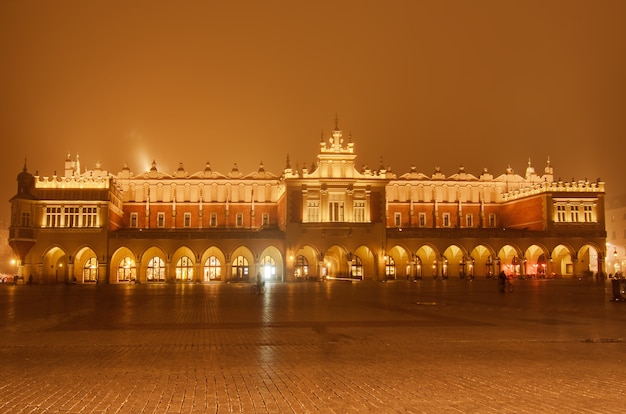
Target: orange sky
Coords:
[[441, 83]]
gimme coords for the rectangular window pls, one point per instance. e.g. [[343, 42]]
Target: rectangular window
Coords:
[[90, 217], [133, 219], [239, 220], [187, 220], [446, 219], [161, 219], [313, 211], [422, 219], [335, 211], [213, 220], [359, 211], [53, 216], [492, 220], [265, 220], [25, 219], [574, 213], [469, 220], [397, 219], [71, 216], [560, 213], [588, 213]]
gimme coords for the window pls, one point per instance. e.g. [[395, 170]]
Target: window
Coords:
[[25, 219], [126, 270], [265, 220], [161, 219], [212, 269], [184, 269], [156, 270], [390, 268], [588, 213], [268, 264], [301, 267], [574, 213], [240, 268], [359, 211], [357, 268], [469, 220], [90, 217], [53, 216], [90, 270], [422, 219], [187, 220], [133, 219], [71, 216], [335, 211], [213, 220], [239, 220], [313, 211], [446, 219], [560, 213], [397, 219], [492, 220]]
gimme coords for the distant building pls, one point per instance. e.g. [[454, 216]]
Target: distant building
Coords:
[[616, 234], [330, 220]]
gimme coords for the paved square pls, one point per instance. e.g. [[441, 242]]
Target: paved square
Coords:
[[414, 347]]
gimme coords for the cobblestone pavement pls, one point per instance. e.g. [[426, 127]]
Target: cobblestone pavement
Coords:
[[414, 347]]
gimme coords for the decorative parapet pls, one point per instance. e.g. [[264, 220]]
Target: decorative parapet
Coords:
[[85, 181], [582, 186]]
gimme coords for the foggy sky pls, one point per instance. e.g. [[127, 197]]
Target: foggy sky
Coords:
[[441, 83]]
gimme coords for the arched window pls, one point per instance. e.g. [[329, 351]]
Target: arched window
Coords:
[[156, 270], [241, 269], [184, 269], [357, 267], [90, 271], [301, 270], [268, 264], [126, 271], [212, 269], [390, 268]]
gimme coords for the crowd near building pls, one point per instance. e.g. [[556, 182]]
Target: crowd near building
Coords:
[[332, 220]]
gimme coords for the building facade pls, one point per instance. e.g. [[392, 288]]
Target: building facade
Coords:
[[332, 220]]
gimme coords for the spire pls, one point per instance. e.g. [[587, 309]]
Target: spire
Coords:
[[336, 122]]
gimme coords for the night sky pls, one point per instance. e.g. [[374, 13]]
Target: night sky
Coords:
[[441, 83]]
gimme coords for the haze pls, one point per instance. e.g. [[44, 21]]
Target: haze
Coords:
[[445, 83]]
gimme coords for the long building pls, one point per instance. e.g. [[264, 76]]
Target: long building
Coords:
[[332, 220]]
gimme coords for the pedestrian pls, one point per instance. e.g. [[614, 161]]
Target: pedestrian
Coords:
[[502, 281]]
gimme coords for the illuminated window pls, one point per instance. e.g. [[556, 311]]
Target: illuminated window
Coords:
[[265, 220], [133, 219], [357, 267], [25, 219], [239, 220], [390, 268], [126, 270], [335, 211], [53, 216], [421, 219], [560, 213], [212, 269], [397, 219], [446, 219], [313, 211], [574, 209], [90, 270], [90, 217], [187, 220], [184, 269], [588, 213], [161, 219], [301, 267], [213, 220], [469, 220], [359, 211], [240, 268], [71, 216], [156, 270], [268, 264]]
